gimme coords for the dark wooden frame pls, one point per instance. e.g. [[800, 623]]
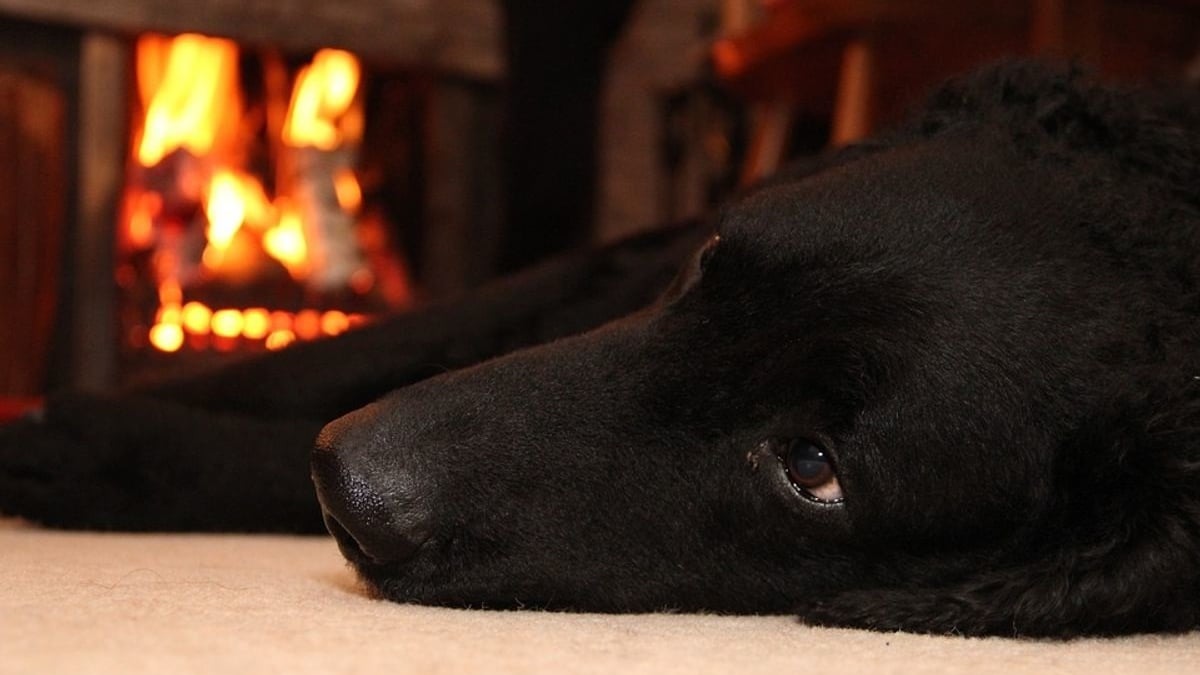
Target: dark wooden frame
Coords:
[[458, 36]]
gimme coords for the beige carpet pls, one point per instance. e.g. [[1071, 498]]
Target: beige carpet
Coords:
[[101, 603]]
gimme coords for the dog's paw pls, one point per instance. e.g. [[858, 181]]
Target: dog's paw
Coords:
[[890, 611], [138, 464], [74, 465]]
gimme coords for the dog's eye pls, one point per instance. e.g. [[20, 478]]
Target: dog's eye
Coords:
[[811, 470]]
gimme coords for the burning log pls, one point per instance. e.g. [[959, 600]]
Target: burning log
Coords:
[[322, 133], [328, 226]]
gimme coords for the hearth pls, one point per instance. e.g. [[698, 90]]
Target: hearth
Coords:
[[190, 184], [243, 223]]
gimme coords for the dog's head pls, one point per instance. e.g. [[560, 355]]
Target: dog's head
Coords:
[[946, 385]]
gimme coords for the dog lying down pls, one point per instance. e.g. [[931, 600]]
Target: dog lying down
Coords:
[[943, 381]]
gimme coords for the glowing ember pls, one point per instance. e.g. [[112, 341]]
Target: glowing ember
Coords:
[[167, 331], [279, 339], [197, 318], [334, 322], [256, 323], [274, 329], [307, 325], [349, 193], [227, 323], [166, 336], [143, 208]]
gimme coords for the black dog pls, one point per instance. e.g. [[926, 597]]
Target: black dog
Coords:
[[944, 381]]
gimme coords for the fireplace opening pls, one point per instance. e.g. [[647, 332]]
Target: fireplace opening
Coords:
[[249, 216]]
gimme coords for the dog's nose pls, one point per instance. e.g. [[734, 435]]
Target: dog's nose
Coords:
[[373, 507]]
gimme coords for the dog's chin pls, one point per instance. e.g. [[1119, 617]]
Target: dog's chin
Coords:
[[400, 582], [416, 582], [383, 583]]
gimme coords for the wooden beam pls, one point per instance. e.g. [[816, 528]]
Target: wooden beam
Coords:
[[457, 36]]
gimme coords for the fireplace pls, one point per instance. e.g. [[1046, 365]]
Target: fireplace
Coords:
[[198, 183], [243, 221]]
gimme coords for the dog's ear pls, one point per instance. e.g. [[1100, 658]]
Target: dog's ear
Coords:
[[1065, 111], [1116, 551]]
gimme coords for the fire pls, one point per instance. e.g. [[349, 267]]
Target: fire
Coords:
[[167, 332], [143, 208], [274, 330], [193, 116], [187, 86], [226, 210], [279, 339], [197, 318], [286, 243], [227, 323], [349, 192], [323, 94]]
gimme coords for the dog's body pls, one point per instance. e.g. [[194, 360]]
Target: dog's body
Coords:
[[945, 381]]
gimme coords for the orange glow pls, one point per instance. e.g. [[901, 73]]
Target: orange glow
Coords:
[[307, 324], [281, 321], [334, 322], [234, 200], [196, 318], [349, 192], [227, 323], [279, 339], [167, 337], [242, 195], [187, 85], [167, 333], [226, 210], [285, 242], [143, 209], [256, 323], [174, 325], [323, 94], [170, 293], [362, 281]]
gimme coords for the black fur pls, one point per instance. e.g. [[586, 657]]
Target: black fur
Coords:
[[988, 316]]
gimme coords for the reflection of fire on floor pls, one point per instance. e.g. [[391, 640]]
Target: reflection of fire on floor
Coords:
[[243, 219]]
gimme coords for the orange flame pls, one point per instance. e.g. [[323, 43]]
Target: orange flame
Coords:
[[323, 94], [234, 200], [187, 85], [226, 210], [285, 242]]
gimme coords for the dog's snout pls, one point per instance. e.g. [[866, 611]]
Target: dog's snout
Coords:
[[375, 507]]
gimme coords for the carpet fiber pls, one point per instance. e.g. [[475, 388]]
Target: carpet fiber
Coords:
[[118, 603]]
